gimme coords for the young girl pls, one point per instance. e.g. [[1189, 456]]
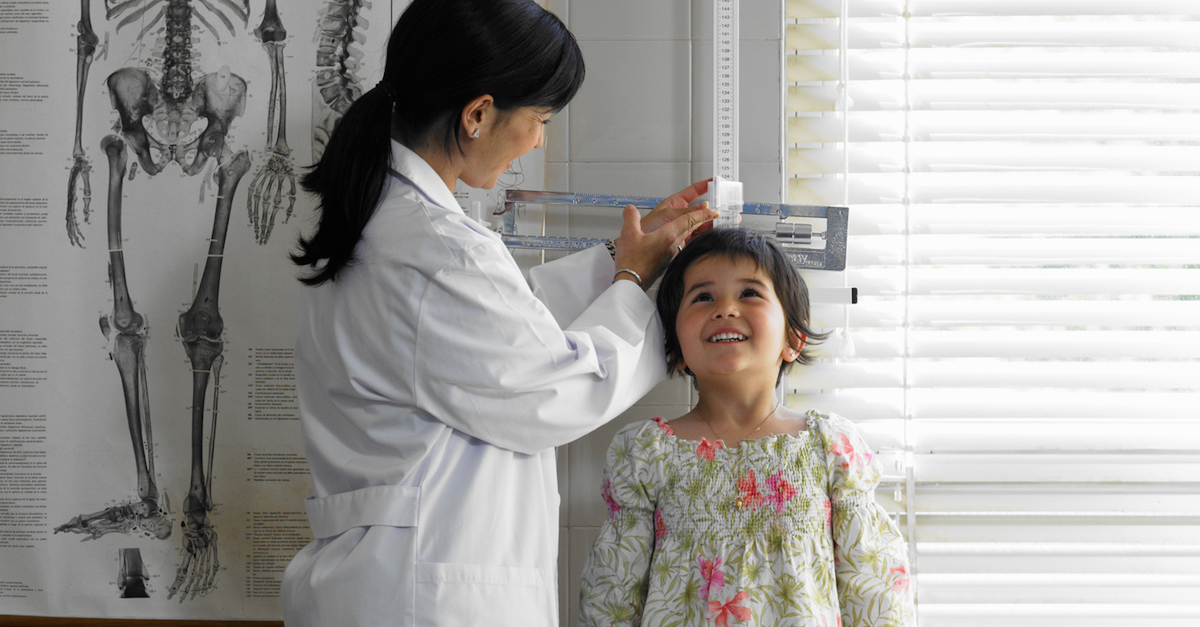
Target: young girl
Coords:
[[742, 511]]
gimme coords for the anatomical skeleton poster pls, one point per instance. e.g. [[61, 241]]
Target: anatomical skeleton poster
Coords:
[[151, 463]]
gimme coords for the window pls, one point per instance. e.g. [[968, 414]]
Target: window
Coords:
[[1024, 185]]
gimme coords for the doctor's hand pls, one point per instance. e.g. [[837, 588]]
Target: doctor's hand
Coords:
[[674, 206], [671, 223]]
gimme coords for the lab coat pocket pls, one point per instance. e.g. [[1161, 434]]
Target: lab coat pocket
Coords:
[[471, 595]]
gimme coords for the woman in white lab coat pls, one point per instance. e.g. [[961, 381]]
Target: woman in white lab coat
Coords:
[[434, 381]]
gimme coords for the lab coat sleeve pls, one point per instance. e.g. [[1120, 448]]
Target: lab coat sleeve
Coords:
[[568, 285], [494, 363]]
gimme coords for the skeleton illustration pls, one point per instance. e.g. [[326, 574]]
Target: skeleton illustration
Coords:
[[337, 86], [278, 169], [132, 575], [181, 118]]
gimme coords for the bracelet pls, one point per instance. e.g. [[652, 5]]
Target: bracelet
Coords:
[[612, 248], [637, 277]]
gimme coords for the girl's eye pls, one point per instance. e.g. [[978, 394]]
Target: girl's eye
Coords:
[[702, 296], [749, 293]]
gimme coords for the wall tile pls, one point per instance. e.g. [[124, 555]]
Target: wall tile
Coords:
[[562, 453], [672, 391], [759, 101], [558, 136], [581, 544], [634, 179], [631, 19], [559, 8], [759, 19], [564, 575], [760, 179], [558, 176], [702, 97], [759, 107], [557, 224], [635, 104]]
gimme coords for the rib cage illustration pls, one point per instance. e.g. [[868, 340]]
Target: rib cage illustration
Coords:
[[336, 85], [171, 112]]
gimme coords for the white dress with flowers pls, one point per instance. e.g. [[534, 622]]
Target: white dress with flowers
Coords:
[[779, 531]]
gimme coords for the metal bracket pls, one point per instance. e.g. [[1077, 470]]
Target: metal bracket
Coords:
[[812, 236]]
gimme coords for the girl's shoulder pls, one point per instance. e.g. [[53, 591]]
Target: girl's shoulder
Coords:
[[829, 425], [644, 431]]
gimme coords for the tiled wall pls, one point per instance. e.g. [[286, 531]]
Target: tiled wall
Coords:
[[641, 125]]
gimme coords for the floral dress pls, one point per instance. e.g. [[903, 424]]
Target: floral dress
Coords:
[[779, 531]]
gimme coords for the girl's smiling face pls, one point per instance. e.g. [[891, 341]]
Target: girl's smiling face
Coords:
[[730, 322]]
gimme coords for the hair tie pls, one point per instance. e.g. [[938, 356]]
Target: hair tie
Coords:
[[387, 89]]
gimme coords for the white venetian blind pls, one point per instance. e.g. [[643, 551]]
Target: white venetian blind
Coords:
[[1024, 184]]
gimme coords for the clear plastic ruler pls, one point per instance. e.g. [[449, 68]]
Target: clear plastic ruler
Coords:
[[725, 192]]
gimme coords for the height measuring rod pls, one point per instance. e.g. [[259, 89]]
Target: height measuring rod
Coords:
[[725, 191]]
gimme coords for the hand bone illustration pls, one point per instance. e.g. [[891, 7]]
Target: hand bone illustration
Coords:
[[261, 204], [85, 51]]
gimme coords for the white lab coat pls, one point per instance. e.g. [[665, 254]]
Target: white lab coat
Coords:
[[433, 384]]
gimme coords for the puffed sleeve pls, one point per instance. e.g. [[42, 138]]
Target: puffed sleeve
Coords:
[[870, 555], [496, 364], [615, 580]]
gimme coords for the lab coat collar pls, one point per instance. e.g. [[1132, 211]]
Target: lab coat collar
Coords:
[[417, 171]]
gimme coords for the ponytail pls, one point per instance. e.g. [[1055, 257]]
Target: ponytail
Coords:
[[348, 180]]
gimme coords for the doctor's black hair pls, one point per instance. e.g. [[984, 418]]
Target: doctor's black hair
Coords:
[[441, 55], [733, 244]]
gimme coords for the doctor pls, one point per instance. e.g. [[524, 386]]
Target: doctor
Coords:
[[433, 380]]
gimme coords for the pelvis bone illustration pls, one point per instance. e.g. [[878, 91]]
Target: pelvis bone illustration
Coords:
[[188, 131], [171, 113]]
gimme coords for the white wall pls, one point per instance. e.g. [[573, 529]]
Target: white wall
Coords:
[[641, 125]]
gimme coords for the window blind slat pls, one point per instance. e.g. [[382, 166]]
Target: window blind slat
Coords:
[[1023, 179], [995, 373], [798, 9]]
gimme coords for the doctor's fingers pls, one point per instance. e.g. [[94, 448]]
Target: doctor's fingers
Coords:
[[673, 206], [677, 231]]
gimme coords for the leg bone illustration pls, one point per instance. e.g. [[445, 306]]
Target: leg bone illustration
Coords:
[[200, 328], [261, 204], [132, 575], [126, 331]]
